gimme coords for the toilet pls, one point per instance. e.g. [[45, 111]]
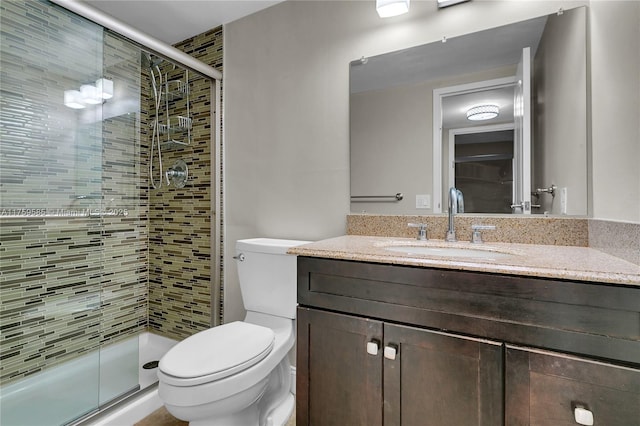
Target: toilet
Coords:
[[238, 374]]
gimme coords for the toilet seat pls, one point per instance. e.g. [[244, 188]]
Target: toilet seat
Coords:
[[216, 353]]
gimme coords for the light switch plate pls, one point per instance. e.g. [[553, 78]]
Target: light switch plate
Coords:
[[423, 201]]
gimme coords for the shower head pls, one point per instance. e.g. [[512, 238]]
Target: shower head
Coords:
[[150, 62]]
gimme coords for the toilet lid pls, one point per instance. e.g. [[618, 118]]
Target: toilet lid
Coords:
[[218, 352]]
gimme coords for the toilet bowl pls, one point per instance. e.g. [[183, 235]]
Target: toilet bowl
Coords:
[[238, 374]]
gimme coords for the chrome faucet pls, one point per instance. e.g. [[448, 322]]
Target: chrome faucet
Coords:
[[456, 205], [422, 230]]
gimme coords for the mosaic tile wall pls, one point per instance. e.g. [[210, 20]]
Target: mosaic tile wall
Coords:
[[180, 233], [67, 285]]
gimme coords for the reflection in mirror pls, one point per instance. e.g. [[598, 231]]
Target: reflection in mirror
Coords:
[[411, 134]]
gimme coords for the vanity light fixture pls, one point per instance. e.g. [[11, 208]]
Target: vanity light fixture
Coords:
[[483, 112], [389, 8], [73, 99], [89, 94], [105, 88], [445, 3]]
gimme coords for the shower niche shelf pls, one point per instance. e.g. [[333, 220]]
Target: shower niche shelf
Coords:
[[175, 125], [173, 144], [176, 128], [176, 89], [173, 122]]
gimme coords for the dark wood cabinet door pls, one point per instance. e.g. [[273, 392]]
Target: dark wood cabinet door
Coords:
[[544, 388], [441, 379], [338, 382]]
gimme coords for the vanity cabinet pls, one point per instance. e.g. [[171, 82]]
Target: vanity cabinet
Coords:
[[343, 382], [401, 345], [370, 372], [544, 388]]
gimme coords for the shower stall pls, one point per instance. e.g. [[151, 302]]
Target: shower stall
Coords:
[[110, 195]]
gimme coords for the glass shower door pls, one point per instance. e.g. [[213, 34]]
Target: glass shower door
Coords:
[[51, 243]]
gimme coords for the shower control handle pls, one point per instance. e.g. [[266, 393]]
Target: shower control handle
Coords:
[[177, 174], [239, 257]]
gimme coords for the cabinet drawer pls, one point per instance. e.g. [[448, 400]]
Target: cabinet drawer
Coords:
[[598, 320], [543, 388]]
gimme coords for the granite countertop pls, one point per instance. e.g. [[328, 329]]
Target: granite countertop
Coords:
[[548, 261]]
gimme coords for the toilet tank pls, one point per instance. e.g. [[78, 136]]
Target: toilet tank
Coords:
[[267, 275]]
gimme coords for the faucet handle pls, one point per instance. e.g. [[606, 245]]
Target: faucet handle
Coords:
[[422, 230], [476, 232]]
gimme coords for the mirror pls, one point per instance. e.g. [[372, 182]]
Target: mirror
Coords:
[[411, 139]]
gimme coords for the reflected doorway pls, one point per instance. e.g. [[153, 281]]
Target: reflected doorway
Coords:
[[482, 168]]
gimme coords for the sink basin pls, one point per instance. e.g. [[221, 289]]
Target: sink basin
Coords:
[[469, 253]]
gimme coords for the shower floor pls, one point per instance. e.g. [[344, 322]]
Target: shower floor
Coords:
[[71, 389]]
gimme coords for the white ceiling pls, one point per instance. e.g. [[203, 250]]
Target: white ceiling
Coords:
[[172, 21], [454, 115]]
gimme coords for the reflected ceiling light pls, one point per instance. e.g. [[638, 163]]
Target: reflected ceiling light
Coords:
[[483, 112], [73, 99], [389, 8], [445, 3]]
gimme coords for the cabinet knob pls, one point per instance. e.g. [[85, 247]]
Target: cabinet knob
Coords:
[[390, 352], [583, 416], [372, 347]]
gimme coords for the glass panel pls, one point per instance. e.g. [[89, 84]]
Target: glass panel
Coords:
[[124, 284], [74, 207], [51, 165]]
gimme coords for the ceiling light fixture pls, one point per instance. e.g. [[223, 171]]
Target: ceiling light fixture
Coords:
[[389, 8], [445, 3], [483, 112]]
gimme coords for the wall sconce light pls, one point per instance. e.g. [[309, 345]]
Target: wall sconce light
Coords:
[[483, 112], [89, 94], [73, 99], [389, 8], [445, 3]]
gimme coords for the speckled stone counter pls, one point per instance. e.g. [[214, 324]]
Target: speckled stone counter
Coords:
[[548, 261], [530, 229]]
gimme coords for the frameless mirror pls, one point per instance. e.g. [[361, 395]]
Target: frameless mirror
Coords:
[[500, 114]]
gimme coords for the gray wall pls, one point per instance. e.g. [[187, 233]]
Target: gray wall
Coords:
[[391, 147], [287, 115], [560, 134], [615, 91]]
